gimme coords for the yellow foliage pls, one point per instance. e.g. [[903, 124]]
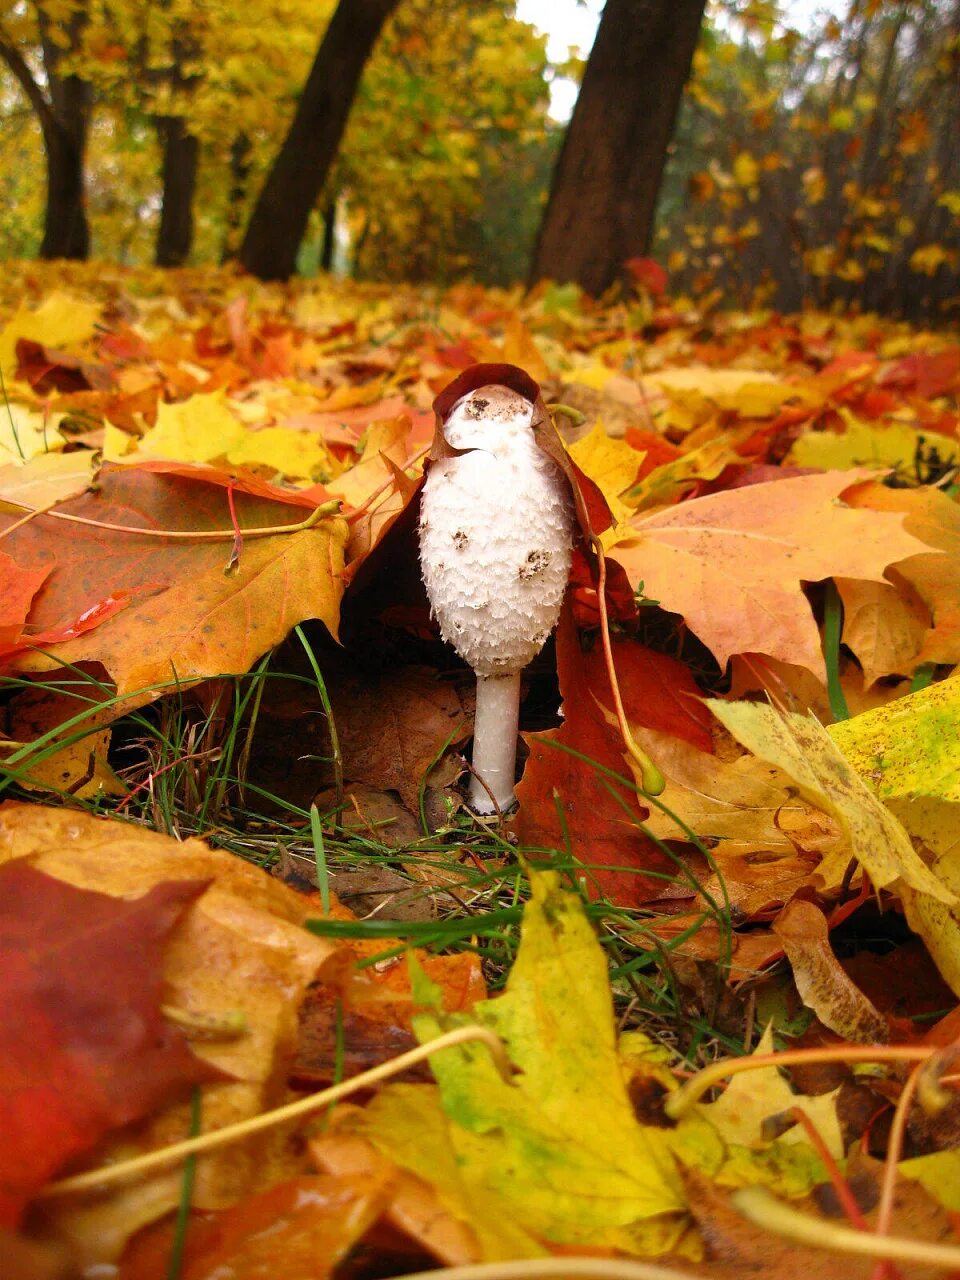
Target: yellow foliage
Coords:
[[745, 170], [929, 258]]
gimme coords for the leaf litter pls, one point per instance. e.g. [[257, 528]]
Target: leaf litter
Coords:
[[147, 606]]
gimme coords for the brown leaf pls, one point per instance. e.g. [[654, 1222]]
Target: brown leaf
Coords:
[[186, 619], [823, 985]]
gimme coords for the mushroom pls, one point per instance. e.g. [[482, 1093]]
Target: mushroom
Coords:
[[496, 540]]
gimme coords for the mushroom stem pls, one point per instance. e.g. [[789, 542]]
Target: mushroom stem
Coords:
[[495, 743]]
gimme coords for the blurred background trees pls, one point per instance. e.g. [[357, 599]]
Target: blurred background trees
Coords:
[[815, 156]]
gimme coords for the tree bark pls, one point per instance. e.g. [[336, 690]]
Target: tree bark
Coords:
[[180, 153], [64, 115], [279, 218], [607, 177]]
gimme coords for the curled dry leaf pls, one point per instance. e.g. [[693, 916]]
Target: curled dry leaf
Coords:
[[823, 985]]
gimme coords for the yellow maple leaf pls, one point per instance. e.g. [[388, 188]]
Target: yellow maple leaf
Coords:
[[802, 748], [27, 433], [754, 1097], [612, 464], [61, 320], [558, 1146]]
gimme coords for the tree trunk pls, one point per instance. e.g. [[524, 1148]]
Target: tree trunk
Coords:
[[279, 218], [607, 177], [66, 233], [329, 236], [180, 153], [63, 113]]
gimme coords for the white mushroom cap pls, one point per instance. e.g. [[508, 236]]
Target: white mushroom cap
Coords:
[[496, 533]]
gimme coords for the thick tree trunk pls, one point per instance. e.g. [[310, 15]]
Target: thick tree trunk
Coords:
[[607, 177], [66, 233], [279, 219], [180, 153], [64, 114]]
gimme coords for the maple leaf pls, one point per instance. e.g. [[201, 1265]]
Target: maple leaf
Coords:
[[241, 950], [186, 619], [83, 1047], [755, 1097], [732, 563], [935, 518], [559, 1143], [803, 749], [302, 1229], [18, 586], [883, 625], [906, 754], [47, 478], [570, 794]]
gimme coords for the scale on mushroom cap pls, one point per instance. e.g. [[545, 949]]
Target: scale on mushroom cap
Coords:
[[501, 506]]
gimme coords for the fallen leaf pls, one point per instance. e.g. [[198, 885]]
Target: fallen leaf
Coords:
[[885, 627], [803, 749], [47, 478], [27, 433], [242, 951], [186, 619], [906, 754], [822, 983], [932, 516], [569, 795], [84, 1046], [732, 563], [754, 1098], [18, 586], [302, 1229], [61, 320], [413, 1207], [861, 443], [541, 1139]]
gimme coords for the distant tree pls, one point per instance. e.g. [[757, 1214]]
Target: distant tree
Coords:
[[283, 208], [821, 166], [61, 100], [605, 184], [447, 151]]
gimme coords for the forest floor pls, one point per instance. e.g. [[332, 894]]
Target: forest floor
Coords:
[[736, 849]]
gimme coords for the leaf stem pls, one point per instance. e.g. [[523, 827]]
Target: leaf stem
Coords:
[[97, 1178], [762, 1209], [653, 780], [319, 513], [681, 1100]]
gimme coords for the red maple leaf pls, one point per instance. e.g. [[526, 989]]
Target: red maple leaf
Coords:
[[83, 1045], [571, 798]]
